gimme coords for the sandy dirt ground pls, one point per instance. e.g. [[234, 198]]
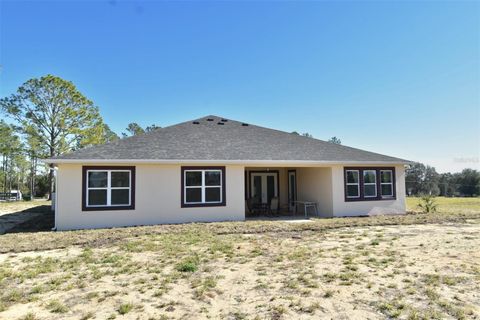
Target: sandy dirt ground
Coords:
[[407, 272]]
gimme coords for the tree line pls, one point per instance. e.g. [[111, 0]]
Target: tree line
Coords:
[[421, 179], [48, 116]]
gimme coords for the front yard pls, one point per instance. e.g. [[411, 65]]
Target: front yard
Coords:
[[412, 267]]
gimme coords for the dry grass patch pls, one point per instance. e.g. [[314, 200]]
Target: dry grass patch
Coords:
[[216, 271], [451, 210], [17, 206], [268, 276]]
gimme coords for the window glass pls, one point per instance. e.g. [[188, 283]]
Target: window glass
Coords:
[[109, 187], [257, 189], [386, 176], [193, 195], [352, 190], [120, 196], [353, 184], [386, 181], [120, 179], [352, 176], [370, 190], [97, 197], [97, 179], [212, 178], [369, 183], [369, 176], [193, 178], [387, 190], [212, 194], [203, 186]]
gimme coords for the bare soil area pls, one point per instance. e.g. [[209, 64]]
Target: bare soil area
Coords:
[[420, 271]]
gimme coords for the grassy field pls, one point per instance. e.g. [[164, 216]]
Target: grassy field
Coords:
[[410, 267], [16, 206], [449, 205]]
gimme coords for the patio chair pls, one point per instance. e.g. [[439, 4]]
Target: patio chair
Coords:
[[274, 206], [250, 203]]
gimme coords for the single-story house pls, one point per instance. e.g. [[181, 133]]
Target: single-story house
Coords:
[[204, 170]]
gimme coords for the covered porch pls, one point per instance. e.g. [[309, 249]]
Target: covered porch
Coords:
[[288, 192]]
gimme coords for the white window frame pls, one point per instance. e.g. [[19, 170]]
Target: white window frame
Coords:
[[385, 183], [203, 187], [370, 183], [109, 189], [352, 183]]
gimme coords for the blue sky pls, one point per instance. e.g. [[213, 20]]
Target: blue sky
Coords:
[[400, 78]]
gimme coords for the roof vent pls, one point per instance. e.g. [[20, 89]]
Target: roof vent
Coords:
[[224, 120], [209, 119], [220, 123], [196, 122], [244, 124]]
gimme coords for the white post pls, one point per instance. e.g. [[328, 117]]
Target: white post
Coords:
[[54, 196]]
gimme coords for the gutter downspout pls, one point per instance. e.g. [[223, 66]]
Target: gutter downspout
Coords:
[[55, 175]]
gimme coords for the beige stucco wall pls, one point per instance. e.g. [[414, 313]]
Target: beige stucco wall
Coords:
[[361, 208], [158, 193], [157, 199], [315, 184]]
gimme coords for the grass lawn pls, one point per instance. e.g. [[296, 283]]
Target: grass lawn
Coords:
[[449, 205], [414, 266], [15, 206]]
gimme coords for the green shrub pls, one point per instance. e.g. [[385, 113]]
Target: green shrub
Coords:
[[125, 308], [188, 265], [428, 204]]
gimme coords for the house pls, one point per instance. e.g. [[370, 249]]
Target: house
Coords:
[[204, 170]]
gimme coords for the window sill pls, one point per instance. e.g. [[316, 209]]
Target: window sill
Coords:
[[199, 205], [109, 208], [369, 199]]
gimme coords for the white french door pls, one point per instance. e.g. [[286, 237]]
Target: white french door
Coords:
[[263, 186]]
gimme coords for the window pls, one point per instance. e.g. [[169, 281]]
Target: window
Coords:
[[386, 183], [369, 183], [203, 186], [108, 188], [353, 183]]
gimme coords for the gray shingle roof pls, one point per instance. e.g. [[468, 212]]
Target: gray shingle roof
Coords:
[[216, 138]]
